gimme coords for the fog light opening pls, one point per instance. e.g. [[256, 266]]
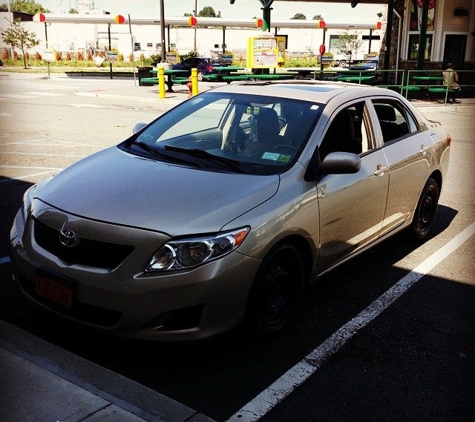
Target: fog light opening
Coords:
[[180, 319]]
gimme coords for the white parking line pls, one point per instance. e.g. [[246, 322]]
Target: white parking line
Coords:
[[47, 94], [44, 170], [303, 370], [87, 106], [27, 176], [30, 167], [40, 154], [17, 96]]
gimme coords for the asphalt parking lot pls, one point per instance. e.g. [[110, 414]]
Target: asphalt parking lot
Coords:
[[395, 337]]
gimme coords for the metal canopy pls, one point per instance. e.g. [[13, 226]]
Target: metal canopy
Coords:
[[342, 1]]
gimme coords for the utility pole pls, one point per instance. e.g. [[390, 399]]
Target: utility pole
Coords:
[[423, 36], [162, 30], [195, 14]]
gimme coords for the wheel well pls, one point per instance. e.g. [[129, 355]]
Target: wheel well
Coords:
[[437, 176], [305, 252]]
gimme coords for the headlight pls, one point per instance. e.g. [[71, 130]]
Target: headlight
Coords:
[[27, 199], [189, 253]]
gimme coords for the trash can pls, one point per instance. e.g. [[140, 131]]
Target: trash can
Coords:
[[144, 72]]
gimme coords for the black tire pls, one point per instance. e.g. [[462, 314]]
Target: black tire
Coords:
[[426, 210], [275, 291]]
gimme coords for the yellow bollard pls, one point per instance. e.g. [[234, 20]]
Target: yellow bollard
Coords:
[[194, 82], [161, 82]]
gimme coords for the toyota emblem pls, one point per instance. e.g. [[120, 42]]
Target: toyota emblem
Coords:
[[67, 238]]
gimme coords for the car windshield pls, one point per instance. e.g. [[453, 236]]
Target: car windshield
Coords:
[[232, 132]]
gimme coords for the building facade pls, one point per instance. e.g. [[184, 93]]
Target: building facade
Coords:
[[450, 34]]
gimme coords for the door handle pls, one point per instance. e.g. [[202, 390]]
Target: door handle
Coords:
[[380, 170], [424, 149]]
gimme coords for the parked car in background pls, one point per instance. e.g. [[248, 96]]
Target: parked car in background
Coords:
[[371, 64], [205, 65], [223, 209]]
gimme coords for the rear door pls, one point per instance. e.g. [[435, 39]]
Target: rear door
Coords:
[[407, 150]]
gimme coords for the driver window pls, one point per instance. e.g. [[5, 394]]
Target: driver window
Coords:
[[349, 131]]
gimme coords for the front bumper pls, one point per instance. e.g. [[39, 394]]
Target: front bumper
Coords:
[[172, 306]]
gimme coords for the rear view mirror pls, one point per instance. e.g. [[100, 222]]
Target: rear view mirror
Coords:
[[138, 127]]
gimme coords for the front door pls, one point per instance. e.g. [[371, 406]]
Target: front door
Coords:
[[454, 50], [352, 206]]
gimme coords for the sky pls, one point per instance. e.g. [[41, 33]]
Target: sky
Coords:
[[241, 9]]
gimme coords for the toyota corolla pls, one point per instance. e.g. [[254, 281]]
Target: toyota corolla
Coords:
[[223, 209]]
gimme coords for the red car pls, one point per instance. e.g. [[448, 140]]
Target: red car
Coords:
[[205, 65]]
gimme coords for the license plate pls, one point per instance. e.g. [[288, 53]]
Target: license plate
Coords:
[[58, 289]]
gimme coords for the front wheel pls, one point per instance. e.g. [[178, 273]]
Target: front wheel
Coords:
[[275, 291], [426, 210]]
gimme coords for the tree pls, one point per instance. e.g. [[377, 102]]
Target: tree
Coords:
[[208, 12], [73, 11], [300, 16], [317, 18], [17, 36], [349, 43], [26, 6]]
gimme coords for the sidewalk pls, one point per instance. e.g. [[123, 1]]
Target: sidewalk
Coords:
[[40, 382]]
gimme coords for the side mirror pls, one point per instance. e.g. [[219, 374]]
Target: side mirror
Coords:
[[341, 163], [333, 163], [138, 127]]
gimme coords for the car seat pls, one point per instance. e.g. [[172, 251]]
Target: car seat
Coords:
[[387, 120], [341, 136], [267, 124], [266, 136]]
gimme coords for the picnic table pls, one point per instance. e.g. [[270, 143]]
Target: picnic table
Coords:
[[304, 72], [230, 76], [219, 72], [226, 70], [171, 75], [354, 78], [429, 79]]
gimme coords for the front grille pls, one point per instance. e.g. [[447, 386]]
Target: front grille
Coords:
[[92, 253], [83, 312]]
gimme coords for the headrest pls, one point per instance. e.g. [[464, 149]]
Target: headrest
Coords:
[[267, 121], [342, 126], [385, 112]]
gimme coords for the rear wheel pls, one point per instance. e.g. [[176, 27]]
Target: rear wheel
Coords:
[[200, 76], [426, 210], [275, 291]]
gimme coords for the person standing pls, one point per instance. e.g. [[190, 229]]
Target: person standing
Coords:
[[451, 79]]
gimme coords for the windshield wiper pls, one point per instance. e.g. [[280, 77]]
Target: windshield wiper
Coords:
[[205, 155], [159, 153]]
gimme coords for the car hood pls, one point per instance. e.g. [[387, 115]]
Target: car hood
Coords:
[[117, 187]]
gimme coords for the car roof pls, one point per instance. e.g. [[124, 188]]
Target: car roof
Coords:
[[307, 90]]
